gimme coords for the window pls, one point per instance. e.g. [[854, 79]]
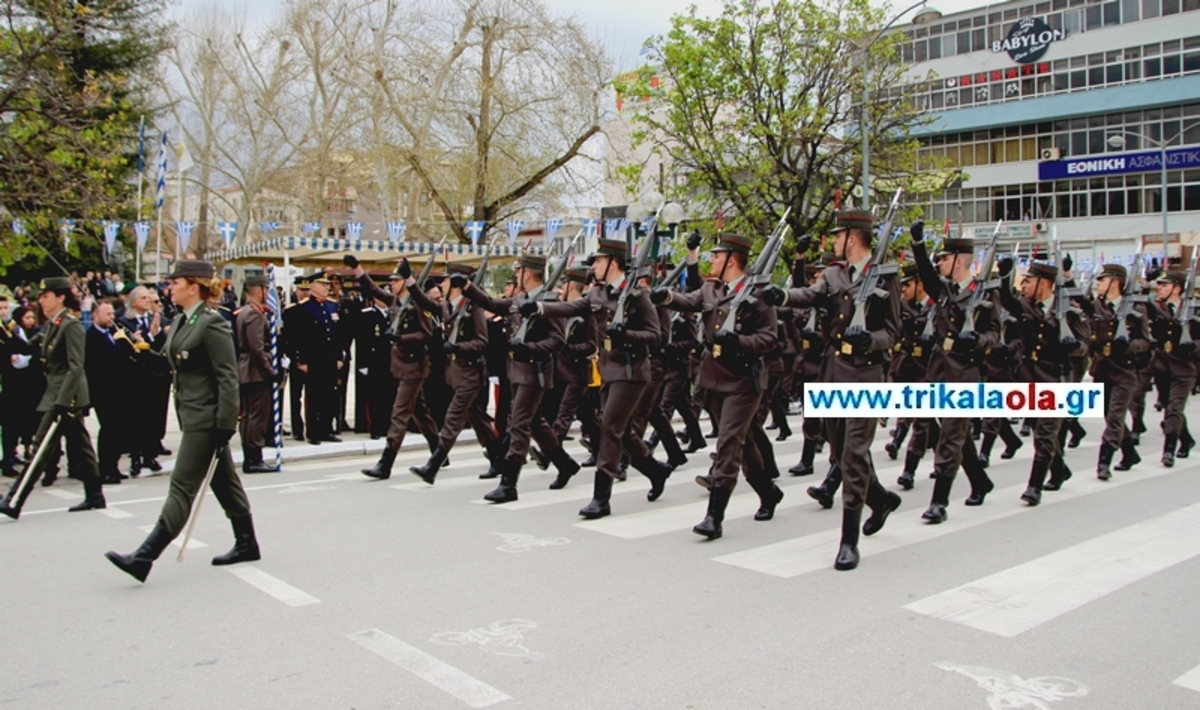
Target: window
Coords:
[[1112, 13], [1170, 7], [1129, 10], [1149, 9], [1094, 17]]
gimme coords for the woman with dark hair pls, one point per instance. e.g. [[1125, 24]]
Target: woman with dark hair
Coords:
[[24, 384], [200, 356], [65, 402]]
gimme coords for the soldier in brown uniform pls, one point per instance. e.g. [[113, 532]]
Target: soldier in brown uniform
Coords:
[[465, 345], [808, 368], [256, 372], [733, 374], [530, 372], [573, 368], [1114, 363], [650, 410], [410, 361], [1175, 359], [853, 356], [910, 360], [957, 356], [624, 368], [1047, 358]]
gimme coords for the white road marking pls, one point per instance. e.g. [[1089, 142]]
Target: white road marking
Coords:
[[272, 586], [1009, 690], [520, 542], [801, 555], [462, 481], [193, 544], [502, 638], [1023, 597], [1189, 680], [116, 513], [466, 688], [64, 495]]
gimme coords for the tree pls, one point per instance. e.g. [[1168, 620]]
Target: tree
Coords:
[[75, 79], [755, 106]]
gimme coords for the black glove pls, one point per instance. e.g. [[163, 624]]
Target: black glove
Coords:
[[1068, 344], [528, 308], [450, 347], [917, 230], [1120, 345], [458, 281], [404, 269], [926, 339], [1187, 348], [693, 240], [660, 294], [774, 296], [1005, 265], [966, 342], [859, 338], [808, 334], [615, 330], [350, 260], [803, 243], [1153, 273], [1068, 262], [1000, 349], [62, 410], [221, 437], [726, 338], [518, 347]]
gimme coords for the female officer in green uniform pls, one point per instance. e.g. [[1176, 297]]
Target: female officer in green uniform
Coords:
[[200, 356]]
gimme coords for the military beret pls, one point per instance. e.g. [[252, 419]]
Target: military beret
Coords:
[[733, 242], [193, 269], [853, 219]]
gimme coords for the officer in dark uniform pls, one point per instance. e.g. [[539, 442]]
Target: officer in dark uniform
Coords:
[[1175, 359], [858, 357], [292, 335], [349, 303], [256, 373], [733, 374], [320, 352], [650, 410], [374, 388]]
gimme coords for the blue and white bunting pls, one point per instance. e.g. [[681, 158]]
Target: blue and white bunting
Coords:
[[310, 227], [475, 231], [396, 230], [111, 229], [268, 227], [141, 230], [591, 227], [613, 227], [184, 231], [160, 189], [354, 230], [228, 232], [552, 227], [514, 230], [18, 226]]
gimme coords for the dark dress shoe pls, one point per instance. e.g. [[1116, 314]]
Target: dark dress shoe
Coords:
[[802, 469], [878, 517], [163, 452], [822, 496], [976, 497], [704, 481], [258, 467], [111, 479], [332, 439], [1032, 496], [1011, 451], [936, 513], [152, 464], [695, 446], [314, 442], [589, 462]]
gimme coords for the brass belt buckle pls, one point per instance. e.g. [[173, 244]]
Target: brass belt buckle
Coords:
[[917, 351], [1107, 349], [948, 343], [1034, 356], [847, 348], [608, 344], [716, 350], [1169, 346]]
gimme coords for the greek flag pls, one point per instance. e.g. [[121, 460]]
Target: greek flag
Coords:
[[396, 230], [310, 227], [590, 227], [272, 294], [161, 185], [184, 231], [615, 226], [141, 230], [228, 232], [267, 227], [110, 234], [18, 226], [552, 227], [475, 231], [67, 226], [514, 230], [354, 230]]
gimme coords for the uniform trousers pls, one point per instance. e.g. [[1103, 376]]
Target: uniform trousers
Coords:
[[619, 401], [734, 414], [321, 400], [1179, 389], [81, 457], [1118, 395], [191, 465], [296, 400], [850, 443], [525, 421], [403, 408], [464, 409]]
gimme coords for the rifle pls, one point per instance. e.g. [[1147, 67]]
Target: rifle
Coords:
[[540, 292], [1062, 302], [876, 270], [982, 284], [1129, 297], [758, 275], [1184, 315], [406, 302], [465, 306], [620, 315]]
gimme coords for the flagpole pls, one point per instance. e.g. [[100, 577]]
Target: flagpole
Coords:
[[179, 217], [137, 269]]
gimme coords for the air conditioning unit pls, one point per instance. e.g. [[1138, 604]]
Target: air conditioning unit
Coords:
[[1048, 154], [1040, 226]]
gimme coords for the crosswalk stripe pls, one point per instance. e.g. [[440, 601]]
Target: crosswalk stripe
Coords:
[[64, 495], [116, 513], [1189, 680], [434, 671], [1022, 597], [801, 555], [272, 586]]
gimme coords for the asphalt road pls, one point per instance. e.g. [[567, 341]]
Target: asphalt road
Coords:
[[396, 594]]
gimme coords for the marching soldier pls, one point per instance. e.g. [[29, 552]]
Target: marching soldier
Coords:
[[957, 356], [65, 402], [853, 356], [530, 372], [256, 372], [573, 371], [808, 366], [909, 364], [1175, 359], [650, 410], [1000, 366], [733, 374]]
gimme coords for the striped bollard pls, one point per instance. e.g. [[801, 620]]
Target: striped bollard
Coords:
[[276, 386]]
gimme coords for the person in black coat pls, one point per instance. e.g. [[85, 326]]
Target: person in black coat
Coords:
[[109, 367], [23, 385]]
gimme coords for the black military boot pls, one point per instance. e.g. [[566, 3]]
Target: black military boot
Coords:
[[847, 557], [805, 467], [658, 473], [542, 460], [601, 493], [985, 449], [93, 497], [825, 492], [1077, 433], [566, 467], [710, 527], [1026, 429], [976, 429], [1012, 442], [383, 468], [1129, 455], [1059, 473], [495, 455], [705, 480], [882, 502], [623, 468], [245, 545], [138, 564], [252, 461], [1168, 457], [1037, 477], [893, 447], [589, 462], [506, 492], [1104, 463], [936, 512], [429, 471], [1186, 442], [908, 475], [675, 455], [769, 496], [15, 500], [981, 483]]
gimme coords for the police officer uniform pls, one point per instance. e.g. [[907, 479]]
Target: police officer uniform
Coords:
[[320, 347]]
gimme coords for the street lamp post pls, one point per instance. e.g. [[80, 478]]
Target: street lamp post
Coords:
[[1116, 140], [924, 17]]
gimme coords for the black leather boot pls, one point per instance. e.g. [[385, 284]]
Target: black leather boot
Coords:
[[429, 471], [936, 512], [825, 492], [1186, 442], [138, 564], [893, 447], [15, 500], [908, 475], [93, 498], [985, 449], [658, 473], [1104, 463], [1037, 477], [506, 492], [1012, 442], [1168, 457], [710, 527], [245, 545], [805, 467], [495, 454], [981, 483], [1129, 455], [383, 468], [847, 557], [252, 461], [769, 496], [566, 467], [1059, 473], [882, 502], [601, 493], [543, 461]]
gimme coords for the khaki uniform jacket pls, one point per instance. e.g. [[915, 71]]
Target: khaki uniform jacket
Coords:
[[253, 338], [466, 366], [199, 356], [1044, 358], [945, 365], [1108, 366], [756, 327], [626, 359], [64, 347], [1166, 331], [410, 359], [545, 337]]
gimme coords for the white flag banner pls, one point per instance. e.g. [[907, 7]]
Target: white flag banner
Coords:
[[111, 229], [552, 227], [514, 230], [591, 228], [185, 158], [310, 227], [267, 227], [354, 230], [228, 232], [141, 230], [475, 231], [396, 230], [184, 231]]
